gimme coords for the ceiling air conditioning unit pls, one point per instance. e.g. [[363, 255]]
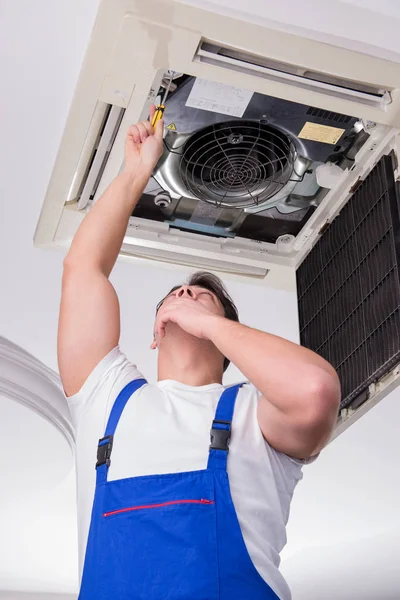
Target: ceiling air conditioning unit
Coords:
[[280, 165]]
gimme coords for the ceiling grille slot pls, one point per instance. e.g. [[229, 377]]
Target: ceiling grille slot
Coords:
[[328, 114], [212, 53]]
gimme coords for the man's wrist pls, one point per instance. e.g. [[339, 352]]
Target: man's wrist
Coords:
[[214, 325], [136, 180], [221, 329]]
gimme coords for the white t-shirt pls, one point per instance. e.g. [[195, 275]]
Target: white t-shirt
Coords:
[[165, 428]]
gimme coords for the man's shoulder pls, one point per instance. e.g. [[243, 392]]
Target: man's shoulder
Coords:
[[105, 382]]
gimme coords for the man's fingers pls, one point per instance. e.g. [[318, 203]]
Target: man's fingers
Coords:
[[134, 133], [152, 111], [162, 324], [142, 131], [148, 127], [159, 130]]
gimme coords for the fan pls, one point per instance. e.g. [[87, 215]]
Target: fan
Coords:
[[237, 164]]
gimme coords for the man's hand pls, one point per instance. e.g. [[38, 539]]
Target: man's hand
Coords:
[[191, 316], [143, 146]]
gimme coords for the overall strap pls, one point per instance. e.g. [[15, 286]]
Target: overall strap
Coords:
[[221, 429], [105, 445]]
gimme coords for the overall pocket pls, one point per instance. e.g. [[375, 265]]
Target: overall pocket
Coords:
[[159, 505], [164, 549]]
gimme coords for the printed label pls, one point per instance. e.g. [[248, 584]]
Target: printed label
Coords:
[[321, 133], [219, 98]]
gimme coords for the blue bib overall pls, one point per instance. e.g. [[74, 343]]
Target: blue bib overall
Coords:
[[169, 537]]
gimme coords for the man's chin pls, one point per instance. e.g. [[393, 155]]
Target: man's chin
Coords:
[[176, 335], [173, 330]]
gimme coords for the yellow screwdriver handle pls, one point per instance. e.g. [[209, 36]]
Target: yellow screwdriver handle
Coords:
[[158, 114]]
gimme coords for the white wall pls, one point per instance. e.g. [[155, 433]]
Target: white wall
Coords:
[[41, 50]]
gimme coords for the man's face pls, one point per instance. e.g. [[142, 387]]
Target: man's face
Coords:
[[197, 294]]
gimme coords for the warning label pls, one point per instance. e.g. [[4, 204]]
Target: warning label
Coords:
[[321, 133], [171, 127]]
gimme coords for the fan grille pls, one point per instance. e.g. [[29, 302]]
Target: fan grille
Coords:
[[237, 163]]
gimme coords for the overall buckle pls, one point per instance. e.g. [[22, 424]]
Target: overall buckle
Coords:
[[220, 437], [104, 451]]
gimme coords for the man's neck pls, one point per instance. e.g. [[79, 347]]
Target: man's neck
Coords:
[[196, 370]]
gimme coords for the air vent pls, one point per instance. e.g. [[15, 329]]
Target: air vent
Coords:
[[100, 138], [327, 114], [349, 287], [365, 93]]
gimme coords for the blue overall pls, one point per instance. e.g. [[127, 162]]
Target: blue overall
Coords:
[[169, 537]]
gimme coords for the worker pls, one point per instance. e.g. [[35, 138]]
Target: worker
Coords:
[[166, 509]]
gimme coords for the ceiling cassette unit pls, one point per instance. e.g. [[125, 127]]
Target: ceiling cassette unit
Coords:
[[280, 166]]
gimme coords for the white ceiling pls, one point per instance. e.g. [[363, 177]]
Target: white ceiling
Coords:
[[345, 524]]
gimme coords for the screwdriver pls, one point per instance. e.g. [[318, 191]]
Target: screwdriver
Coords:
[[161, 107]]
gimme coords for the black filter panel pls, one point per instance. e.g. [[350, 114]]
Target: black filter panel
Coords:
[[349, 287]]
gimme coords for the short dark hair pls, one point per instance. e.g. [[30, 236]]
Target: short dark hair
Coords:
[[211, 282]]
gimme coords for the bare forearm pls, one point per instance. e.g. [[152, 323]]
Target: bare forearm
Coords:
[[99, 237], [282, 371]]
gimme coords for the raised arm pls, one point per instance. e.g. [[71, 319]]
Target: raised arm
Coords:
[[89, 323]]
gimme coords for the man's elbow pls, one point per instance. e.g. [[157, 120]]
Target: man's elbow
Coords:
[[77, 266], [321, 409], [71, 263], [324, 393]]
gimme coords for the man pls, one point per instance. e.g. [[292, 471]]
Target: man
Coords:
[[175, 516]]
